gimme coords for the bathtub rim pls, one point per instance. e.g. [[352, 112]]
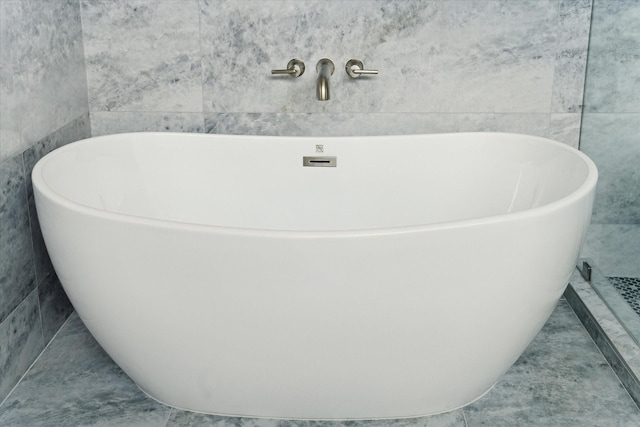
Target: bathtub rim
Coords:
[[48, 192]]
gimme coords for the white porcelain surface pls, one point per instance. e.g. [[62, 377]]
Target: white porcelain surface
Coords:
[[379, 288]]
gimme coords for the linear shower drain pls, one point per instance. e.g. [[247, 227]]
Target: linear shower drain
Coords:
[[629, 288]]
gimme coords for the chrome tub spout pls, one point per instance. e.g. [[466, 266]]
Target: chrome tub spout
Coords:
[[325, 69]]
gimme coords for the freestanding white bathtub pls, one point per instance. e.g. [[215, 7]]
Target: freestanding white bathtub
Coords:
[[224, 276]]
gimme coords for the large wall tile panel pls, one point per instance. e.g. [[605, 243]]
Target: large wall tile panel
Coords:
[[433, 56], [571, 56], [17, 272], [142, 55], [42, 78], [613, 80], [462, 62], [612, 140]]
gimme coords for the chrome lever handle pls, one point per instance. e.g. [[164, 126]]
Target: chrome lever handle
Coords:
[[295, 68], [355, 68]]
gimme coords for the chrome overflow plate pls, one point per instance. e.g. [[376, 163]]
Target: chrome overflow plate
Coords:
[[319, 161]]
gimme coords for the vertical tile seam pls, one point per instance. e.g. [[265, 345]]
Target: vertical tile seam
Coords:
[[84, 63], [201, 59], [586, 73], [552, 88]]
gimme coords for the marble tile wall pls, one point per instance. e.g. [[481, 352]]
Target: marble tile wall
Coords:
[[43, 104], [204, 65], [611, 135], [42, 78]]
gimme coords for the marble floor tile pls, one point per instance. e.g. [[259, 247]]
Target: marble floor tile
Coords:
[[610, 325], [76, 383], [190, 419], [560, 380], [20, 343]]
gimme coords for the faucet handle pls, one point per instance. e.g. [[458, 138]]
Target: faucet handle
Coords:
[[355, 68], [295, 68]]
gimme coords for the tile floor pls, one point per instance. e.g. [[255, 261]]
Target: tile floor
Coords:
[[610, 322], [560, 380]]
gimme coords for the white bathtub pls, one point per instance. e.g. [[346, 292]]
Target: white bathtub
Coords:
[[225, 277]]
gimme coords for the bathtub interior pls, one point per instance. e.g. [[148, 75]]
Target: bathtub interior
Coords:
[[260, 182]]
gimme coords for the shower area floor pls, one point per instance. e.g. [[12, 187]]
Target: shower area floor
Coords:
[[562, 379], [629, 288]]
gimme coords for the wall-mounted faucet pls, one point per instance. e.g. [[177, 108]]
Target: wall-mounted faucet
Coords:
[[325, 69]]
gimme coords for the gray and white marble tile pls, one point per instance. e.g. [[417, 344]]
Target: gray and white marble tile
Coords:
[[142, 55], [432, 56], [76, 383], [347, 124], [20, 343], [565, 128], [615, 248], [17, 275], [42, 77], [73, 131], [568, 383], [613, 299], [110, 122], [190, 419], [561, 379], [571, 58], [613, 75], [525, 123], [615, 331], [77, 129], [611, 336], [613, 143], [55, 306]]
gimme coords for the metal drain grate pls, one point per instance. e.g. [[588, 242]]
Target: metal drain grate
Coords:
[[629, 288]]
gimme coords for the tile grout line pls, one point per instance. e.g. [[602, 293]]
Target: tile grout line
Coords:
[[166, 423], [464, 417], [36, 359]]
